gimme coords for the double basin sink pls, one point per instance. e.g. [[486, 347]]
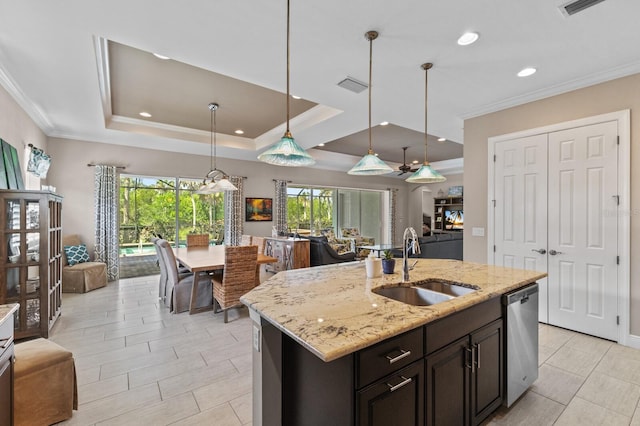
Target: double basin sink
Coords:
[[424, 293]]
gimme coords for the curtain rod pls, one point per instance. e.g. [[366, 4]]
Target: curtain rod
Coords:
[[117, 167]]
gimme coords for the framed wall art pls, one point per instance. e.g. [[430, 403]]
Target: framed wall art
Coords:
[[258, 209]]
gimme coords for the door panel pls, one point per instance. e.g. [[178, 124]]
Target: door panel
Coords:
[[521, 207], [583, 229]]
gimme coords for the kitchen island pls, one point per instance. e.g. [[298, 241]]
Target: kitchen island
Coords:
[[327, 348]]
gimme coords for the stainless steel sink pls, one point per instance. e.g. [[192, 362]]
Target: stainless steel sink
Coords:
[[445, 287], [424, 293], [413, 295]]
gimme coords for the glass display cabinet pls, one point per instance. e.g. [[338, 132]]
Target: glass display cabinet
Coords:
[[31, 258]]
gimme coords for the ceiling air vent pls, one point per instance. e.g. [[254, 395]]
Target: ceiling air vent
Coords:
[[353, 85], [578, 6]]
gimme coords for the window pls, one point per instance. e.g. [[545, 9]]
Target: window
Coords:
[[315, 209], [167, 206]]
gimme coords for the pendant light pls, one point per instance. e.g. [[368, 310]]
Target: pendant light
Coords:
[[216, 180], [370, 164], [426, 174], [287, 152]]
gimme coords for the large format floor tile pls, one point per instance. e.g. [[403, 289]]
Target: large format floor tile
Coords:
[[138, 364]]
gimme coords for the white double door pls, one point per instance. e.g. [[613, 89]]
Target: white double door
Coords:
[[555, 210]]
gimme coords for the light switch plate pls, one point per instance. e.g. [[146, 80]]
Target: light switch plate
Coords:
[[477, 232]]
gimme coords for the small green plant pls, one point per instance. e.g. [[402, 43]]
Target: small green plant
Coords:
[[387, 255]]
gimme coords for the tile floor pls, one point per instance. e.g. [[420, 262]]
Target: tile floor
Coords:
[[137, 364]]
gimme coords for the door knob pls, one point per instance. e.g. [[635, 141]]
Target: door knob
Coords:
[[553, 252], [541, 251]]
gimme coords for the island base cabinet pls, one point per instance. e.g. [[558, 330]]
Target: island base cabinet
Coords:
[[395, 400], [465, 378]]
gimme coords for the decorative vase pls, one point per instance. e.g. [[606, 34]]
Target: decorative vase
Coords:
[[388, 265]]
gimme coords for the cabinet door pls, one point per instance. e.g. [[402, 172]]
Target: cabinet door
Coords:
[[396, 400], [6, 384], [448, 384], [488, 371]]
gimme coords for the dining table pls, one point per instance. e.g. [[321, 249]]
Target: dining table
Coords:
[[208, 259]]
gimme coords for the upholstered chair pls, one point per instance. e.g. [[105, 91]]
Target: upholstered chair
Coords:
[[79, 273], [179, 286]]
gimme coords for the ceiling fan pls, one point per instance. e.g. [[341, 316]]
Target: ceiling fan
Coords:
[[405, 168]]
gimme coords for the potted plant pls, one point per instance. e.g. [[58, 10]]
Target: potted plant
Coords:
[[388, 262]]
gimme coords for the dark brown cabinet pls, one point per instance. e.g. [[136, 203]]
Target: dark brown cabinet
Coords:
[[465, 378], [31, 259], [395, 400]]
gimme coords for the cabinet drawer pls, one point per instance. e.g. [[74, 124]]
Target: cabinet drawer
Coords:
[[452, 327], [388, 356]]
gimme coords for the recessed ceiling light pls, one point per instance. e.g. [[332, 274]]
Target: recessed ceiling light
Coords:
[[415, 162], [384, 123], [376, 154], [296, 97], [145, 114], [159, 56], [442, 139], [239, 132], [526, 72], [468, 38], [320, 144]]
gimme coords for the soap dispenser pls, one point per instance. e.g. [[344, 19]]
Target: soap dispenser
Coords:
[[373, 266]]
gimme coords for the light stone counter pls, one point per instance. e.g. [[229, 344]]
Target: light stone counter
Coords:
[[6, 311], [331, 311]]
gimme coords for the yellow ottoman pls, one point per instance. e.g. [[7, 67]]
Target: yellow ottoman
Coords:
[[44, 387]]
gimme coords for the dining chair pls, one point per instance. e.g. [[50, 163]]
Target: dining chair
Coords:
[[238, 277], [162, 282], [245, 240], [197, 240], [179, 286], [260, 242]]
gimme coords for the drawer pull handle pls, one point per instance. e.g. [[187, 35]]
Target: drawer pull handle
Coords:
[[7, 342], [405, 381], [477, 345], [403, 354]]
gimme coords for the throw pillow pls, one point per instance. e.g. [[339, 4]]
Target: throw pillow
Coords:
[[76, 254]]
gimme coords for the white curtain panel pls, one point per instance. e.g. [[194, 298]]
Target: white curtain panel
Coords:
[[106, 219], [280, 219], [234, 212]]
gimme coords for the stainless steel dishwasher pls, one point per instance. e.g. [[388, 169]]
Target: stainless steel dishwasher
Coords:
[[522, 341]]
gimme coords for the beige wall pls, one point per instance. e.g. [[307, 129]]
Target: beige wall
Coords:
[[620, 94], [17, 128], [74, 179]]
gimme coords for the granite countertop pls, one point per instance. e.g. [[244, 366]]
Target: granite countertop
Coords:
[[7, 310], [332, 312]]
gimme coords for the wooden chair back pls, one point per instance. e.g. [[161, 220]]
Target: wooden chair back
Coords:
[[197, 240], [238, 277]]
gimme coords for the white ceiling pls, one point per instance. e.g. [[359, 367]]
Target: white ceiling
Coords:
[[50, 60]]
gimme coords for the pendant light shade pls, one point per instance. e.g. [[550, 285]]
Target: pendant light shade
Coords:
[[216, 180], [287, 152], [370, 164], [426, 174]]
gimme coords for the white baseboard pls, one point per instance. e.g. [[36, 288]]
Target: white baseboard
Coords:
[[633, 341]]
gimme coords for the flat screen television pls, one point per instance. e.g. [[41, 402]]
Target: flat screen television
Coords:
[[453, 220]]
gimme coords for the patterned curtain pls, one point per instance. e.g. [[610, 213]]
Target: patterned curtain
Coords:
[[393, 204], [106, 219], [233, 212], [280, 214]]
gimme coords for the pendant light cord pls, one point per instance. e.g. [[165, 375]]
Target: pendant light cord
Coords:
[[288, 64], [426, 67], [215, 144], [370, 79]]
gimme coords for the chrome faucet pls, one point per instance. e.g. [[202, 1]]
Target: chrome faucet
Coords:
[[415, 249]]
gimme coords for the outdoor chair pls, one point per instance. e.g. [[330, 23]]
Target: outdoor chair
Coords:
[[238, 277]]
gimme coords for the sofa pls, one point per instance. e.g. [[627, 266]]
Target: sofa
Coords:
[[438, 246], [321, 252]]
